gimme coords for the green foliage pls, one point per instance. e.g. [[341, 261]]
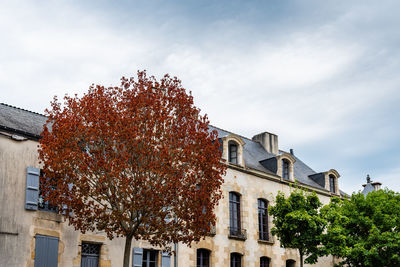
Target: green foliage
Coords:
[[297, 223], [364, 231]]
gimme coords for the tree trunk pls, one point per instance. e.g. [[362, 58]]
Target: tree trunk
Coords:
[[301, 259], [127, 251]]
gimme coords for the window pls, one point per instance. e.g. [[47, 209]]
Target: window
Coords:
[[149, 258], [332, 183], [90, 254], [263, 219], [290, 263], [236, 260], [233, 152], [264, 262], [45, 205], [285, 169], [234, 214], [203, 258]]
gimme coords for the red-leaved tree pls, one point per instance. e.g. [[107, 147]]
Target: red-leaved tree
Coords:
[[137, 161]]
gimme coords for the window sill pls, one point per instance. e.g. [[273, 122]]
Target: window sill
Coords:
[[237, 237], [267, 242]]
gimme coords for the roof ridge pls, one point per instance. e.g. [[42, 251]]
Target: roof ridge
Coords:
[[37, 113], [232, 133]]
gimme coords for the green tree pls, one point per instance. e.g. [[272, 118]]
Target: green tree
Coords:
[[298, 224], [364, 231]]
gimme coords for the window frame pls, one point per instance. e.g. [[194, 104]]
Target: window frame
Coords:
[[233, 159], [200, 254], [235, 223], [236, 259], [286, 169], [265, 261], [332, 183], [45, 205], [146, 259], [263, 225], [290, 263]]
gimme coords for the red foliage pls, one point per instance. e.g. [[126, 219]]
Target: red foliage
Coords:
[[136, 160]]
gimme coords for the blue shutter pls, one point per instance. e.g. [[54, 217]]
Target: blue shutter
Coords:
[[165, 259], [46, 251], [32, 188], [137, 257]]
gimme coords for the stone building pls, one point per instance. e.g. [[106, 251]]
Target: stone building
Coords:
[[33, 235]]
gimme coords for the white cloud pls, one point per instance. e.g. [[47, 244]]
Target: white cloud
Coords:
[[307, 77]]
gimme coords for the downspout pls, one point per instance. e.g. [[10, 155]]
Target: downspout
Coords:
[[176, 255], [176, 249]]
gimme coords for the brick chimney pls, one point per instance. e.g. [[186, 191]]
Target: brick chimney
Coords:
[[269, 141]]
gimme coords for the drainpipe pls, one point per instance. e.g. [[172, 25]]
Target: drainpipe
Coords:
[[176, 255]]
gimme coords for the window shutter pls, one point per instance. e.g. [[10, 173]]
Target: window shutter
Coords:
[[137, 257], [32, 188], [165, 259], [46, 251]]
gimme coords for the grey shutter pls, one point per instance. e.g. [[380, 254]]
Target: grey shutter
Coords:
[[165, 259], [90, 261], [137, 257], [32, 188], [46, 251]]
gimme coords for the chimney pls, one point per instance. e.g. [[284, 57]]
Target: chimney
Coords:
[[269, 141], [291, 151]]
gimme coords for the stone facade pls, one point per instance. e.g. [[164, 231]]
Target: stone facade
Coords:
[[251, 180]]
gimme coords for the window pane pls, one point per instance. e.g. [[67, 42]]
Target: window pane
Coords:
[[264, 262], [332, 184], [263, 219], [233, 153], [285, 169], [203, 257], [236, 260]]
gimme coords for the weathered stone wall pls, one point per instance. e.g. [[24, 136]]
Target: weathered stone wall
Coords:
[[251, 188], [18, 226]]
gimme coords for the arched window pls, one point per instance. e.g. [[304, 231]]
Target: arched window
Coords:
[[236, 260], [285, 169], [203, 257], [265, 261], [234, 214], [233, 152], [332, 183], [290, 263], [263, 219]]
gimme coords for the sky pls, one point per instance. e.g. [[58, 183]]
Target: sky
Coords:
[[322, 75]]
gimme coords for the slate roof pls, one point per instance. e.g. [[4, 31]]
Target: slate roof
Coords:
[[21, 121], [30, 124], [253, 153]]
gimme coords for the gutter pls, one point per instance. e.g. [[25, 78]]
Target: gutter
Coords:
[[31, 136], [278, 179]]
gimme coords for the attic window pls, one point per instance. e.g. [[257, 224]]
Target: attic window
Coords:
[[332, 183], [285, 169], [233, 152]]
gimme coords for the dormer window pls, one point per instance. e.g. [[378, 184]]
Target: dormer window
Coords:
[[233, 152], [332, 186], [232, 149], [285, 169]]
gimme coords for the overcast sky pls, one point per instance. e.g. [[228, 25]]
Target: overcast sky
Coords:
[[322, 75]]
